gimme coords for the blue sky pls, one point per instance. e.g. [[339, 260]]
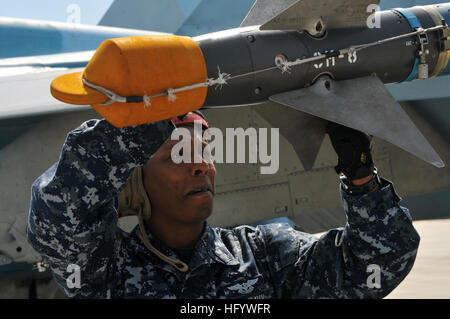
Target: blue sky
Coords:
[[90, 11]]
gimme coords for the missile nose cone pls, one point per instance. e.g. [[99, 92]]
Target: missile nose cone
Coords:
[[139, 66]]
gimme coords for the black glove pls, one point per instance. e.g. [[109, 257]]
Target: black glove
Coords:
[[353, 150]]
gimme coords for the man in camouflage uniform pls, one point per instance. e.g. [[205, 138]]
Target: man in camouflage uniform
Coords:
[[73, 220]]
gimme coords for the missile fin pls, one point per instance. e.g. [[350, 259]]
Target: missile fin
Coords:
[[363, 104], [315, 16], [303, 131], [264, 10]]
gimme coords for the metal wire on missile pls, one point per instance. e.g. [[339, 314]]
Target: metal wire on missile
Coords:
[[284, 66]]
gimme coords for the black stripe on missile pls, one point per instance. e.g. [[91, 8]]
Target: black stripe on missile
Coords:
[[333, 54], [134, 99]]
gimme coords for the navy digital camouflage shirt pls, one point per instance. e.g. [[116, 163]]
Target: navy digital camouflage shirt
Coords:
[[73, 221]]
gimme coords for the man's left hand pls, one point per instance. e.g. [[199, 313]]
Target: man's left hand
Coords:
[[353, 150]]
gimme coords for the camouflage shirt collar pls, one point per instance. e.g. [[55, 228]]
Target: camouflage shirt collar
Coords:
[[208, 250], [212, 245]]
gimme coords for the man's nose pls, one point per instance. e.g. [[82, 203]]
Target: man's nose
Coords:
[[201, 168], [201, 158]]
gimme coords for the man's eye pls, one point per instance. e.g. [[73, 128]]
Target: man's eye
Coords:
[[175, 155]]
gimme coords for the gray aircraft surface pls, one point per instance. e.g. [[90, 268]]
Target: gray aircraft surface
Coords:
[[303, 192]]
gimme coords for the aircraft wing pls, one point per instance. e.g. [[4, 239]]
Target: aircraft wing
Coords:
[[25, 83], [27, 67]]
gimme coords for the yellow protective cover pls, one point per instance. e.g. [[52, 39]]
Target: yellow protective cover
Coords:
[[138, 66]]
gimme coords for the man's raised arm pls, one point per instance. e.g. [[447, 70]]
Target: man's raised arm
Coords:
[[72, 218], [367, 258]]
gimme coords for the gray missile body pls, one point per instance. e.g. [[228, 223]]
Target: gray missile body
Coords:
[[346, 82], [247, 50]]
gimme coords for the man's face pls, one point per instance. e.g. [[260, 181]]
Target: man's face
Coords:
[[183, 192]]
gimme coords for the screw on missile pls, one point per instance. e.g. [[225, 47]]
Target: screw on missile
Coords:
[[319, 27]]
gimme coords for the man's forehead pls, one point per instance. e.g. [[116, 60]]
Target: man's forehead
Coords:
[[184, 132]]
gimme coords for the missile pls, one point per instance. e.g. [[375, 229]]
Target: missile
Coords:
[[300, 63]]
